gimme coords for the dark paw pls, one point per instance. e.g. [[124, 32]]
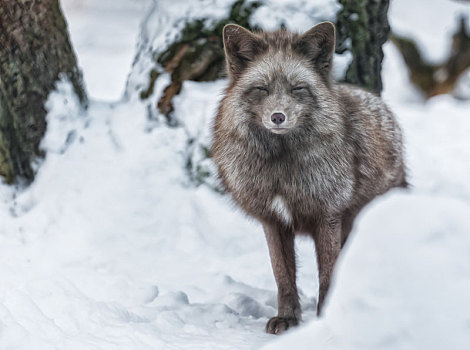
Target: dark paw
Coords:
[[277, 325]]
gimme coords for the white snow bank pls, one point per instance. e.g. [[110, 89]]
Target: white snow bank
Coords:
[[403, 281]]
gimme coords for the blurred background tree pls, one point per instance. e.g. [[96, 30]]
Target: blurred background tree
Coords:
[[362, 28], [436, 78]]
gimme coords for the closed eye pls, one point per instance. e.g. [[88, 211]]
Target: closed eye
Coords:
[[299, 88], [262, 88]]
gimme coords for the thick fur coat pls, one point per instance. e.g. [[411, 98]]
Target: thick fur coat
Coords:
[[298, 152]]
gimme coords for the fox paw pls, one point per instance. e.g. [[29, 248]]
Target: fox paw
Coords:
[[277, 325]]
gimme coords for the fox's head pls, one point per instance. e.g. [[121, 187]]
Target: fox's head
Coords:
[[281, 80]]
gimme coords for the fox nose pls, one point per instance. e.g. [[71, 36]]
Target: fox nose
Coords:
[[278, 118]]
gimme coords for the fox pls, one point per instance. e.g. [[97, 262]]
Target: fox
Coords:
[[299, 152]]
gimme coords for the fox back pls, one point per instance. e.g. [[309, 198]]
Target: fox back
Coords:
[[293, 148]]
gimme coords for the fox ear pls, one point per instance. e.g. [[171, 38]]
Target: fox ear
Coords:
[[241, 46], [318, 44]]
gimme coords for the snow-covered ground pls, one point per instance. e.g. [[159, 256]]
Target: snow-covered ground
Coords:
[[112, 247]]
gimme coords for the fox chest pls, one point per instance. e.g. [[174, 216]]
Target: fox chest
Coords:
[[290, 191]]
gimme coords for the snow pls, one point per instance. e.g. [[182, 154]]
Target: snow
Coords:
[[281, 12], [114, 247]]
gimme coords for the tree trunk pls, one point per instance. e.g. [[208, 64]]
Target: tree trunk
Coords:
[[35, 51], [362, 28]]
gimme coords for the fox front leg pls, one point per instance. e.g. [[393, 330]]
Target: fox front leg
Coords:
[[328, 245], [282, 252]]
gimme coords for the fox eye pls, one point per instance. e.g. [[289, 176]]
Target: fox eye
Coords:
[[262, 88], [256, 94], [299, 88]]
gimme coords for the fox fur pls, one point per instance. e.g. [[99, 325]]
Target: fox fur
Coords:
[[334, 149]]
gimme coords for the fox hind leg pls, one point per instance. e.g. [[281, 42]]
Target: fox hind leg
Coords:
[[328, 245]]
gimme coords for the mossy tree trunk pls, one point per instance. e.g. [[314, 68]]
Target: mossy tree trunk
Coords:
[[35, 51], [362, 27]]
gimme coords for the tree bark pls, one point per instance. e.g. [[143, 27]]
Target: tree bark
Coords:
[[35, 51], [362, 27]]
